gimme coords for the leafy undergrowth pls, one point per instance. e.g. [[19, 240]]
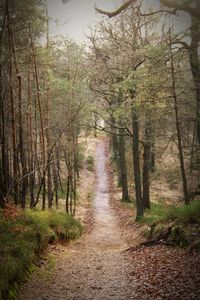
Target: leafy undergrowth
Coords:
[[23, 236], [179, 226]]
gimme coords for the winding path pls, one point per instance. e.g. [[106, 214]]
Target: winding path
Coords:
[[95, 267]]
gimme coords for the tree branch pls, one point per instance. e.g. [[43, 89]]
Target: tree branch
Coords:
[[182, 6], [116, 12], [169, 3], [173, 12], [184, 44]]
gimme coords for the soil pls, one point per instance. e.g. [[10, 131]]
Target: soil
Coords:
[[100, 265]]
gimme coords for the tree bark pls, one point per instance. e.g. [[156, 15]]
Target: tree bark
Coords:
[[123, 166], [146, 166], [180, 148], [136, 161], [115, 149], [195, 68], [43, 150], [13, 116], [23, 159]]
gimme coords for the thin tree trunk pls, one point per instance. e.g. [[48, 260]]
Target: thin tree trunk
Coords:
[[4, 158], [195, 68], [180, 148], [136, 162], [146, 166], [49, 180], [13, 117], [55, 181], [23, 160], [123, 166], [115, 149], [41, 124], [30, 144], [67, 195]]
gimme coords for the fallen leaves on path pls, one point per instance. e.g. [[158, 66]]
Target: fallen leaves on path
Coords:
[[162, 272]]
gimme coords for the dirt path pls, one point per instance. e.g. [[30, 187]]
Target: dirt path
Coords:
[[94, 267]]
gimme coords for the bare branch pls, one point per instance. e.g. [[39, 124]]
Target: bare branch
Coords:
[[182, 6], [173, 12], [116, 12], [169, 3], [184, 44]]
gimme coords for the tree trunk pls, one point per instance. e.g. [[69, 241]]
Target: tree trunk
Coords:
[[136, 161], [22, 152], [13, 116], [195, 68], [30, 145], [43, 150], [4, 171], [49, 181], [146, 166], [180, 148], [123, 166]]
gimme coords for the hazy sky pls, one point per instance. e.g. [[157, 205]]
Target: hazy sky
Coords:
[[75, 16]]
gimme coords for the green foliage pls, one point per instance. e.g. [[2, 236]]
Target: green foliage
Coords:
[[65, 226], [158, 212], [185, 214], [90, 163], [21, 239]]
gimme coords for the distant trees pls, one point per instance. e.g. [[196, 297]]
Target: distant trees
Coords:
[[119, 51], [144, 79], [41, 99]]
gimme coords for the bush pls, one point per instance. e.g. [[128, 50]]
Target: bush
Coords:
[[23, 237]]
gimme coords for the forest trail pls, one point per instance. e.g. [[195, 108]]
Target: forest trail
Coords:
[[94, 267]]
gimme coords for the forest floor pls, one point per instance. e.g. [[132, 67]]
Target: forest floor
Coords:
[[101, 264]]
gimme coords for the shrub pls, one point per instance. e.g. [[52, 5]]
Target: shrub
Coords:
[[22, 238]]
